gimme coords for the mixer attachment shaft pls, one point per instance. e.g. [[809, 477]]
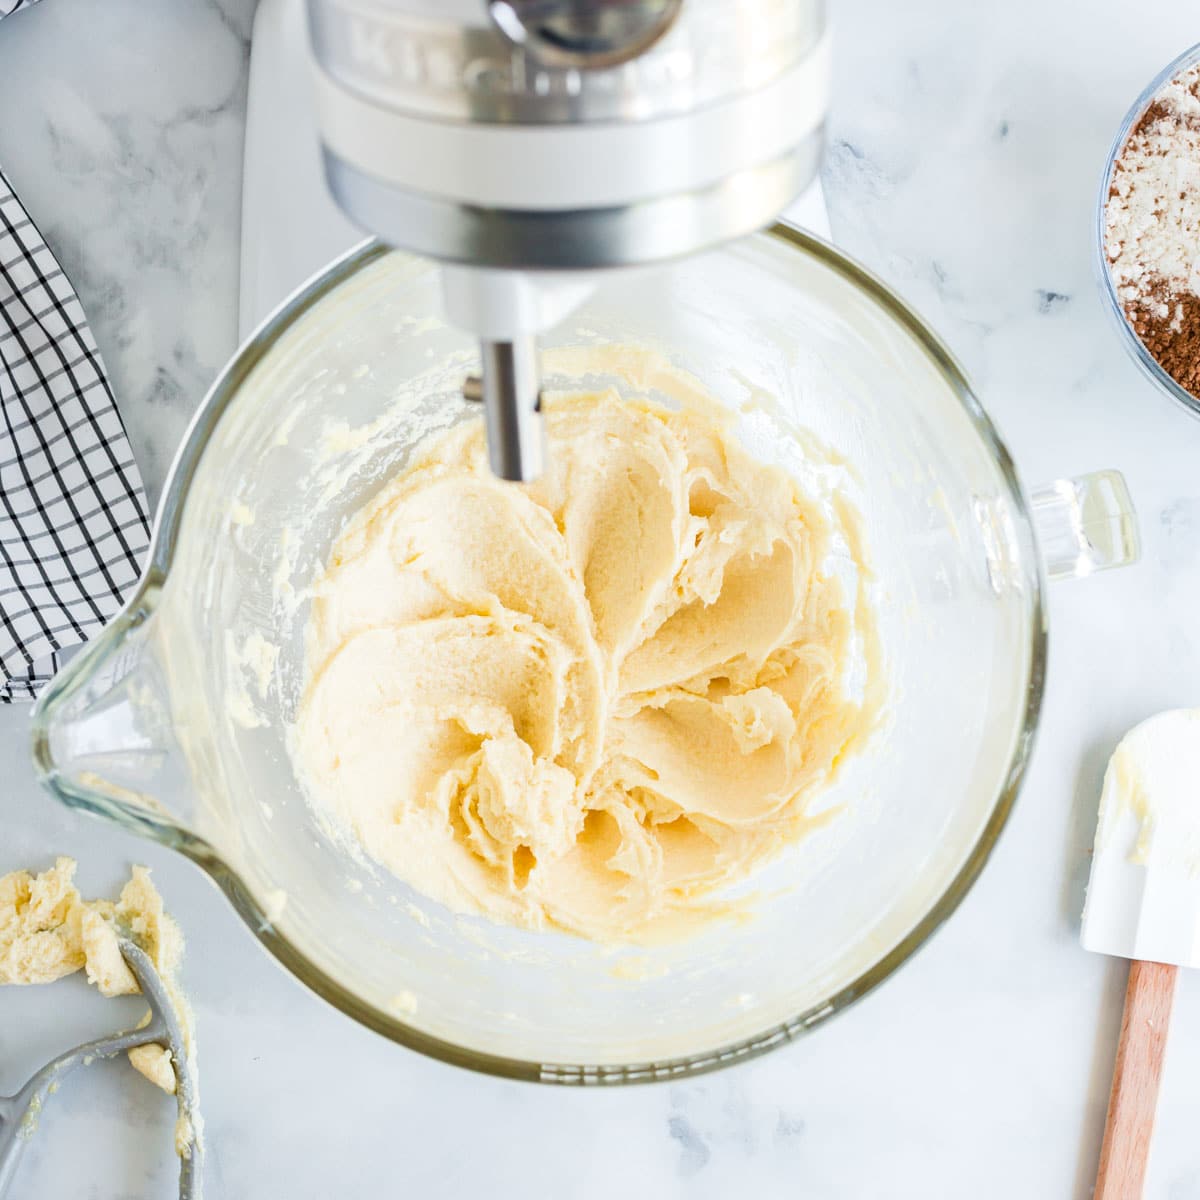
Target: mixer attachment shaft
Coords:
[[510, 390]]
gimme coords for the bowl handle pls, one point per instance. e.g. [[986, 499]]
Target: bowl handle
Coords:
[[1085, 524]]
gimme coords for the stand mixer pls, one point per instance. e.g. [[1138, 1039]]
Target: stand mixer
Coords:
[[532, 146]]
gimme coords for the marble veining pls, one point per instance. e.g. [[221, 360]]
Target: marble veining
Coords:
[[127, 154], [966, 145]]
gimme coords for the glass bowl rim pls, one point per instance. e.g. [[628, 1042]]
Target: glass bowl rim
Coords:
[[290, 956]]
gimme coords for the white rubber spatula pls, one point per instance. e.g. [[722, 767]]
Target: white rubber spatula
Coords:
[[1143, 903]]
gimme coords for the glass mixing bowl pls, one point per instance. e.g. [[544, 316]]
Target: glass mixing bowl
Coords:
[[174, 723]]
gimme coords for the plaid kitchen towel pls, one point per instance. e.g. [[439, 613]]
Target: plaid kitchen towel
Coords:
[[73, 521]]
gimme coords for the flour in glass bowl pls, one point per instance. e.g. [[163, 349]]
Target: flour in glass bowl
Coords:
[[1152, 228]]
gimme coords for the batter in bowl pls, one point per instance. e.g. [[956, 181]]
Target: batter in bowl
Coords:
[[593, 702]]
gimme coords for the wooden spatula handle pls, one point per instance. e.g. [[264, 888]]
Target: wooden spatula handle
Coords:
[[1136, 1075]]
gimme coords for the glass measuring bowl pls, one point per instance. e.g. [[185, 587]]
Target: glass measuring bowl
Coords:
[[174, 723], [1113, 303]]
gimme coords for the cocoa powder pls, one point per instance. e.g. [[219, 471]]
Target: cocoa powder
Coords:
[[1174, 341]]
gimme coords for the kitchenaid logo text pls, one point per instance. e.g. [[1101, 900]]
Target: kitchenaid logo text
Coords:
[[409, 58]]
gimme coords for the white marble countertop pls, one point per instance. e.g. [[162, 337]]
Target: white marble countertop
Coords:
[[966, 145]]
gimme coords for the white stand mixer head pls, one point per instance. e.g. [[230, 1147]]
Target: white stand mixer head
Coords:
[[529, 144]]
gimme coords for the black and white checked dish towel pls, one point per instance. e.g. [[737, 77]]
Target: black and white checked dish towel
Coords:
[[73, 522]]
